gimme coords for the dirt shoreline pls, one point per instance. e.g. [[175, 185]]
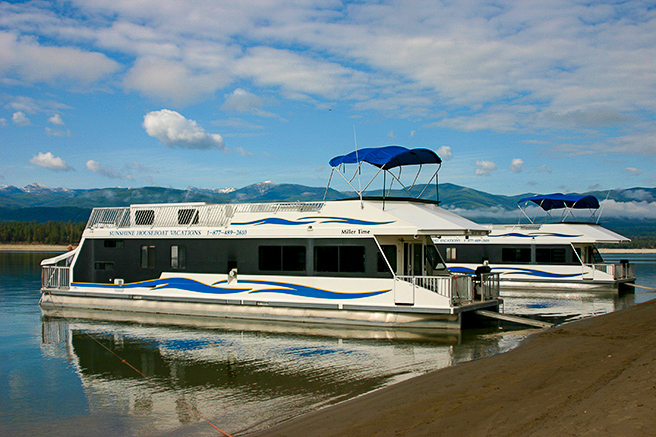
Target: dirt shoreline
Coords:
[[591, 377], [32, 248]]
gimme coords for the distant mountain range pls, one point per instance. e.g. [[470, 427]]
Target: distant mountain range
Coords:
[[37, 202]]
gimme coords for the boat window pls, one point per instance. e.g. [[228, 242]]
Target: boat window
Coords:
[[114, 243], [179, 257], [282, 258], [516, 255], [596, 256], [434, 259], [187, 216], [99, 265], [389, 250], [450, 253], [339, 259], [326, 258], [147, 257], [144, 217], [549, 255]]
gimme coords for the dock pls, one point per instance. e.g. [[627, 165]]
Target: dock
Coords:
[[514, 319]]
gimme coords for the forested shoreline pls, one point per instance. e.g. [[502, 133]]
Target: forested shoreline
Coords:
[[54, 232], [51, 232]]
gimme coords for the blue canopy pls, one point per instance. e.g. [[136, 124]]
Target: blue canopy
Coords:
[[559, 200], [388, 157]]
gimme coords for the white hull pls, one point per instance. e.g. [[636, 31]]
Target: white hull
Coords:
[[290, 312]]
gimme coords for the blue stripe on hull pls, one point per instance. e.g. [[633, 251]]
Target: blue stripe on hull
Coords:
[[200, 287]]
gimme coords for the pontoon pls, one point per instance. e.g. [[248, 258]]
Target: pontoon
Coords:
[[361, 261]]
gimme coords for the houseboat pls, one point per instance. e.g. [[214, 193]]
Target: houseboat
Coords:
[[558, 254], [360, 261]]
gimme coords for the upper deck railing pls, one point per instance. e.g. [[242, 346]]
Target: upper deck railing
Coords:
[[189, 214]]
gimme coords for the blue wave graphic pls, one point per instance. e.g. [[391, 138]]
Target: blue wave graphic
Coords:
[[178, 283], [542, 274], [536, 234], [461, 270], [514, 271], [200, 287], [305, 291], [347, 221], [309, 221]]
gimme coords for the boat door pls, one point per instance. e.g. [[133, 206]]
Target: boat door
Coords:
[[413, 258], [583, 254]]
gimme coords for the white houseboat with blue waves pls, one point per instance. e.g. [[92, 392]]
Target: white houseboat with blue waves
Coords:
[[361, 261], [559, 254]]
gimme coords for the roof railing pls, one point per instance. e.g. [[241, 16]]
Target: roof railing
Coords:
[[188, 215]]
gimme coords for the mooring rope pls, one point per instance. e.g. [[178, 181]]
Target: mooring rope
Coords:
[[162, 389]]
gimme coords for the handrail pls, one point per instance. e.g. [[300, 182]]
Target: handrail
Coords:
[[459, 289], [55, 278], [188, 215]]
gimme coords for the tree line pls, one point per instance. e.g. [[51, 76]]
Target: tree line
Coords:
[[12, 232], [53, 232]]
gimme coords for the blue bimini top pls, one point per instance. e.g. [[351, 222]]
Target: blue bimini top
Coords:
[[559, 200], [388, 157]]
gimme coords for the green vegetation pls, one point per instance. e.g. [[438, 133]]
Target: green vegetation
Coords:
[[12, 232]]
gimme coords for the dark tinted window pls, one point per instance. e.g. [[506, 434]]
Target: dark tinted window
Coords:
[[390, 254], [550, 255], [114, 243], [282, 258], [179, 257], [147, 257], [516, 255], [339, 259], [103, 265]]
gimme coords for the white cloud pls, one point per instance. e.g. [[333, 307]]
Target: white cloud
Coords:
[[298, 75], [638, 195], [516, 165], [34, 62], [484, 168], [106, 171], [628, 210], [20, 119], [3, 122], [173, 130], [633, 171], [57, 120], [445, 153], [57, 133], [51, 162], [243, 101], [173, 80], [544, 168]]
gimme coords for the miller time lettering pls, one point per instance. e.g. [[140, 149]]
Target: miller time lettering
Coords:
[[356, 232]]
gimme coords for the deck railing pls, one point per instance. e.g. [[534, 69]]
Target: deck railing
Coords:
[[55, 278], [616, 270], [188, 215], [459, 289]]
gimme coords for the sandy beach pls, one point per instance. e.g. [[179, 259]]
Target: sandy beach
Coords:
[[32, 248], [593, 377]]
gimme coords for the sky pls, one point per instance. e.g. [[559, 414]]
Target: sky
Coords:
[[515, 96]]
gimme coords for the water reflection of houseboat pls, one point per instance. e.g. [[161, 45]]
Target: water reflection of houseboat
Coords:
[[239, 374], [559, 254], [367, 261]]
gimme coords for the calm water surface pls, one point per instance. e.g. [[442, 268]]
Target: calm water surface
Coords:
[[58, 378]]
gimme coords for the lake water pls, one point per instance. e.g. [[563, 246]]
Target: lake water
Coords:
[[65, 375]]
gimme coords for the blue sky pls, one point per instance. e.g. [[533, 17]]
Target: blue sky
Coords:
[[516, 97]]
